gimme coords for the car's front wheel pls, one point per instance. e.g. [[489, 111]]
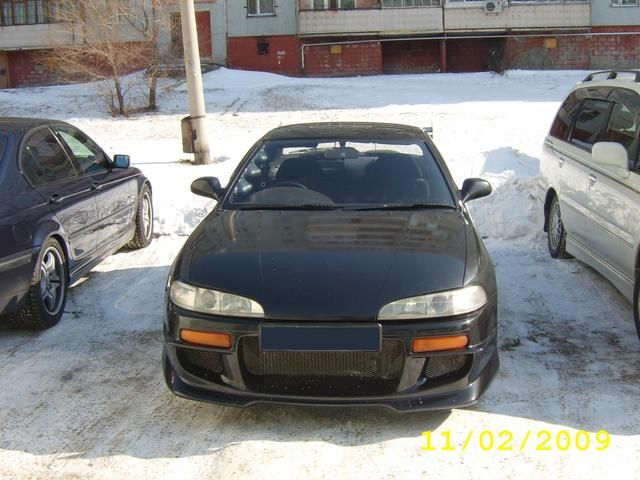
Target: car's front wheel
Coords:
[[556, 234], [48, 294], [144, 220]]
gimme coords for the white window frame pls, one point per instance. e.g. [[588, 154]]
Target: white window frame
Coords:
[[327, 3], [625, 3], [259, 13], [412, 3]]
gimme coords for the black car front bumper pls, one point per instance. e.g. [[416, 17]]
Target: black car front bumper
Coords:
[[394, 377]]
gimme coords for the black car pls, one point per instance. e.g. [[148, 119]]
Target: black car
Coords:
[[64, 207], [339, 267]]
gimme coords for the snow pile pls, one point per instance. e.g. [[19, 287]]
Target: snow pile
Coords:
[[511, 210]]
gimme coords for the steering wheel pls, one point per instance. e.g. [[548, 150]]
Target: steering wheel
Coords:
[[290, 183]]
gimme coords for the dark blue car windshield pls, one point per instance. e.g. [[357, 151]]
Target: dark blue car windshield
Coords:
[[341, 173]]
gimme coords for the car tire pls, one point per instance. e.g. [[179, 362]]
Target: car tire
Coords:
[[556, 234], [144, 220], [48, 293], [636, 303]]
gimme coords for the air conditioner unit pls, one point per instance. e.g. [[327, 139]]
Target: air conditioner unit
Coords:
[[493, 6]]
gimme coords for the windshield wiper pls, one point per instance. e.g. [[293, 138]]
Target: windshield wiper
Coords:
[[405, 206], [302, 206]]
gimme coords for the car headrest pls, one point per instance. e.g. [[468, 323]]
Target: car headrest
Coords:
[[395, 167], [299, 168]]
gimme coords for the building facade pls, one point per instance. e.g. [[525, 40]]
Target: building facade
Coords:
[[359, 37], [31, 29], [355, 37]]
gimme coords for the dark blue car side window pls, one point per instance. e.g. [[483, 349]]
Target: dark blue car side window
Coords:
[[43, 160], [86, 151]]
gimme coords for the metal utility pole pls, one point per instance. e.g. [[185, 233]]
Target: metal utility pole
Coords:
[[196, 120]]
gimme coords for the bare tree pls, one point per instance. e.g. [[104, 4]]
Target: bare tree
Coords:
[[112, 38]]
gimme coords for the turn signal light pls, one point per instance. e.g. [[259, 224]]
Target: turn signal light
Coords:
[[437, 344], [207, 339]]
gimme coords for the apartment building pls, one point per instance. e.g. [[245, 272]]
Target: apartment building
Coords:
[[359, 37], [26, 28], [31, 29], [616, 28], [348, 37]]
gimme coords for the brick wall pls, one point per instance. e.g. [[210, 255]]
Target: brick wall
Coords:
[[355, 59], [548, 52], [468, 55], [282, 54], [615, 51], [411, 56], [39, 67], [30, 67]]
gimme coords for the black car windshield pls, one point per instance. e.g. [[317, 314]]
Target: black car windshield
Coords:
[[338, 173]]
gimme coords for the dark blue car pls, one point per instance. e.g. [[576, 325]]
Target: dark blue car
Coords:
[[65, 205]]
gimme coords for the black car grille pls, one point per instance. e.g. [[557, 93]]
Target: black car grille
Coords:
[[322, 373], [201, 363], [446, 366]]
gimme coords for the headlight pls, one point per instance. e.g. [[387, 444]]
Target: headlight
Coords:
[[443, 304], [212, 301]]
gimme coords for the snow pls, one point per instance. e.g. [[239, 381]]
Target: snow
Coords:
[[87, 398]]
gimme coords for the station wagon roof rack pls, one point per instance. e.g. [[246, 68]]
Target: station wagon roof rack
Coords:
[[612, 74]]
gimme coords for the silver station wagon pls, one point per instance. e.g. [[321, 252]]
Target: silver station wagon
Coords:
[[589, 188]]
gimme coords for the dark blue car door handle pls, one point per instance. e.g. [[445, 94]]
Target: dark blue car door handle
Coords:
[[96, 186], [55, 198]]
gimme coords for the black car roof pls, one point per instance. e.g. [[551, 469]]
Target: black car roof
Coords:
[[391, 131], [10, 123]]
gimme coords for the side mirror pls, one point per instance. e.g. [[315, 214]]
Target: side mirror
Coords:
[[612, 156], [121, 161], [207, 187], [473, 188]]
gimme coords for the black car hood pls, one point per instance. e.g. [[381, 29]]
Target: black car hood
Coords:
[[328, 265]]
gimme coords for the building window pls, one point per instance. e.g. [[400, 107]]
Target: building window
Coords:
[[263, 48], [334, 4], [546, 1], [260, 7], [625, 3], [410, 3], [23, 12]]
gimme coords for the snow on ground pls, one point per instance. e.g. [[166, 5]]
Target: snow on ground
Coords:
[[87, 398]]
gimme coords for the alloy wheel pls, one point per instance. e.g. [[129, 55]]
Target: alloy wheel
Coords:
[[555, 225], [52, 281], [147, 215]]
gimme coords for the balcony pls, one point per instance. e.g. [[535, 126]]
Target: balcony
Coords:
[[372, 21], [34, 36], [518, 15]]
